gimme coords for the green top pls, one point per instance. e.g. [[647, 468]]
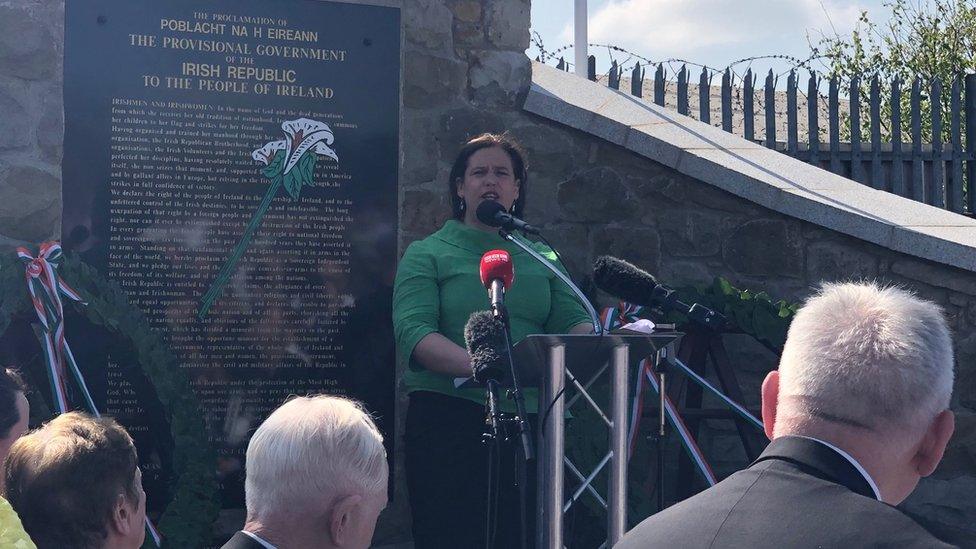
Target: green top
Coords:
[[12, 534], [438, 287]]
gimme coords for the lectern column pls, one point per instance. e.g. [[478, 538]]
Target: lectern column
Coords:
[[552, 460], [617, 503]]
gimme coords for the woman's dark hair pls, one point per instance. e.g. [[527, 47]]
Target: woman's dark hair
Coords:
[[484, 141], [10, 384]]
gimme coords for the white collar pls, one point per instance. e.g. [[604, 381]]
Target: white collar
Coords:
[[854, 462], [258, 539]]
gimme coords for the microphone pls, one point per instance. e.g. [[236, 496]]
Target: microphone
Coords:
[[635, 285], [493, 214], [484, 337], [497, 275], [630, 283]]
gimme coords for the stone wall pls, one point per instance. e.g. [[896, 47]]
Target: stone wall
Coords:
[[31, 120], [464, 72]]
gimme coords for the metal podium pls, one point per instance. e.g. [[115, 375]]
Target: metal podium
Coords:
[[550, 361]]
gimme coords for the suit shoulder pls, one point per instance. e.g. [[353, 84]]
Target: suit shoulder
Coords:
[[774, 505], [240, 540], [904, 530], [694, 522], [834, 512]]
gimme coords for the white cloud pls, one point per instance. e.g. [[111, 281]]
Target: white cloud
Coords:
[[695, 29]]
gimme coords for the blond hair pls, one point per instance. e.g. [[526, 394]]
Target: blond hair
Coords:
[[867, 355], [310, 450]]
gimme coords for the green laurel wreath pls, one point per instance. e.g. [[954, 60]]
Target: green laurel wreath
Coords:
[[187, 520], [752, 313]]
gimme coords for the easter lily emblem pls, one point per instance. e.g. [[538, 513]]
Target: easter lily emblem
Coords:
[[288, 163]]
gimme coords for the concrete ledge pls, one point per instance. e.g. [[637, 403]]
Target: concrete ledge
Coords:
[[763, 176]]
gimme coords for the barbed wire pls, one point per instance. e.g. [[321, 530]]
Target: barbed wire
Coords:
[[795, 62], [737, 75], [626, 64]]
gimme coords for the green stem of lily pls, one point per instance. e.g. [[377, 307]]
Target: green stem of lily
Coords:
[[217, 286]]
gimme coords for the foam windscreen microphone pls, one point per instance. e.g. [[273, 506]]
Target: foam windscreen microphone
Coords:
[[630, 283], [635, 285], [484, 337]]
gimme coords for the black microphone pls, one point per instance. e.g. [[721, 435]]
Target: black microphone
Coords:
[[630, 283], [493, 214], [484, 337], [635, 285]]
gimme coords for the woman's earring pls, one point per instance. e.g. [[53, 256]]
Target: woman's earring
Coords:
[[461, 206]]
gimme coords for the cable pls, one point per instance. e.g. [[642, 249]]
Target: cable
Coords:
[[549, 408], [521, 470], [494, 481], [488, 529]]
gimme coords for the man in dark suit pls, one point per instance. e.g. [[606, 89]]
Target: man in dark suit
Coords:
[[316, 478], [245, 540], [857, 414]]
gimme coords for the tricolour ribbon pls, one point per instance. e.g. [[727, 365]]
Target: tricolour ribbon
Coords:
[[625, 313], [646, 377], [687, 441], [46, 289]]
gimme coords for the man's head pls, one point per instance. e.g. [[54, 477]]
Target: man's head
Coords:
[[869, 369], [75, 482], [317, 467]]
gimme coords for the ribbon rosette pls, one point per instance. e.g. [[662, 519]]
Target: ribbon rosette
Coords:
[[624, 313], [46, 289], [289, 162]]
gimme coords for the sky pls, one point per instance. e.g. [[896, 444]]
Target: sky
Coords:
[[709, 32]]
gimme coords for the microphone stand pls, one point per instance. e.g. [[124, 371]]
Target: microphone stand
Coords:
[[492, 438], [493, 415], [522, 425], [515, 393], [661, 363], [594, 318]]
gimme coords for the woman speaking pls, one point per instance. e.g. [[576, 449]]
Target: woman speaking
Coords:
[[437, 288]]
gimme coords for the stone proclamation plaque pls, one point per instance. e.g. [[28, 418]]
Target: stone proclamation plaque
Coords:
[[232, 166]]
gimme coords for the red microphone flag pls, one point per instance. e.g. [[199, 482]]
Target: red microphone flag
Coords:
[[497, 265]]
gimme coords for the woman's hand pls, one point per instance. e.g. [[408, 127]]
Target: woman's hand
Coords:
[[439, 354], [584, 328]]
